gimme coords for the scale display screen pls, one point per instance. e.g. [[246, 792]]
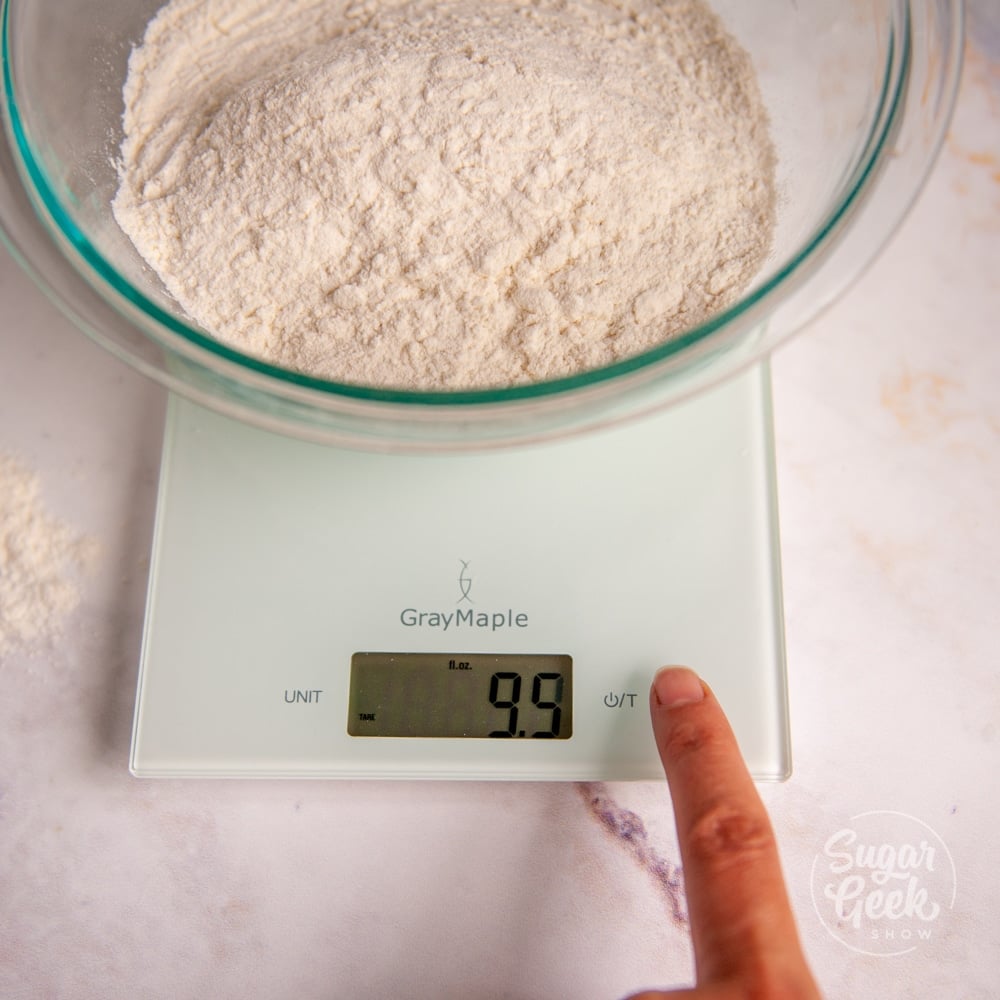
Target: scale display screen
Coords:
[[474, 695]]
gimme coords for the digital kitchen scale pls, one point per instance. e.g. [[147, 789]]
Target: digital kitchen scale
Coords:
[[316, 612]]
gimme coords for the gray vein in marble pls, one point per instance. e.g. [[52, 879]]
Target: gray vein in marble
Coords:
[[629, 831]]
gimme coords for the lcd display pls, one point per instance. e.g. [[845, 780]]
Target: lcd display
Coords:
[[474, 695]]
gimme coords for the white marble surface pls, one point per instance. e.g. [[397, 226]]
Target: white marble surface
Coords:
[[888, 430]]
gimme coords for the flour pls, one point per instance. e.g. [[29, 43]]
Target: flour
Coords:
[[39, 557], [452, 194]]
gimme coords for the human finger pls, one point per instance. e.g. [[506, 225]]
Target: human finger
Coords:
[[742, 926]]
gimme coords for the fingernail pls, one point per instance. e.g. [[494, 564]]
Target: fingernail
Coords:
[[677, 686]]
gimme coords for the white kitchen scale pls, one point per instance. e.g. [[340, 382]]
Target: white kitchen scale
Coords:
[[316, 612]]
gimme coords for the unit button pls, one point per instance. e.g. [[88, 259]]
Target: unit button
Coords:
[[302, 696], [620, 699]]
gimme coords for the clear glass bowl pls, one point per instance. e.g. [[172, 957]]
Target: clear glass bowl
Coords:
[[859, 93]]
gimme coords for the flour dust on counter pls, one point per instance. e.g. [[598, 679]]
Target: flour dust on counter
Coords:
[[41, 561], [456, 195]]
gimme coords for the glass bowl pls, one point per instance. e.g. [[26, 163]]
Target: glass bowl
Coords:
[[859, 93]]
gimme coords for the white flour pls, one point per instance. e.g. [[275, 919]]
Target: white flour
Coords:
[[445, 194], [39, 558]]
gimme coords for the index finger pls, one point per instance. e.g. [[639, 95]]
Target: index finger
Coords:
[[741, 920]]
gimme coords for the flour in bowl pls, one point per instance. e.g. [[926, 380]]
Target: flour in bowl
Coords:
[[445, 195]]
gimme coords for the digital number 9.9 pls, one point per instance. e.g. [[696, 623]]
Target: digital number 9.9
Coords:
[[546, 694]]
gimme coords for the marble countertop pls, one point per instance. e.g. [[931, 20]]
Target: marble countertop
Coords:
[[888, 442]]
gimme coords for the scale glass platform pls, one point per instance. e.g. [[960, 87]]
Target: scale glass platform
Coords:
[[316, 612]]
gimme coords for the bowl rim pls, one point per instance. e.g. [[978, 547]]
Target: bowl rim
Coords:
[[110, 283]]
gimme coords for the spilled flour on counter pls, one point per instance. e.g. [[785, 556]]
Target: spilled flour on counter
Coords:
[[40, 559], [452, 194]]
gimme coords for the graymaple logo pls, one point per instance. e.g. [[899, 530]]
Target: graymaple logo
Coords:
[[465, 582]]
